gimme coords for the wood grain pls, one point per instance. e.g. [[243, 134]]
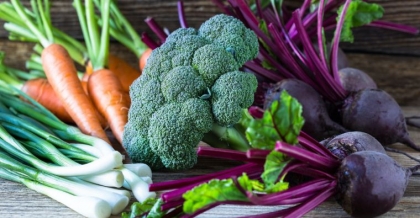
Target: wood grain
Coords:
[[398, 75], [367, 39]]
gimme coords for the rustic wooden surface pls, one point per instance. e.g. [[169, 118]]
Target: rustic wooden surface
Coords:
[[391, 58]]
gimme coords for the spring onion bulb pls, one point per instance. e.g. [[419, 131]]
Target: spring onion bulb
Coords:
[[139, 187], [139, 169]]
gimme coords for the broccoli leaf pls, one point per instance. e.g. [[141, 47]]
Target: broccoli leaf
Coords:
[[359, 13], [281, 122], [274, 165], [211, 192], [137, 209]]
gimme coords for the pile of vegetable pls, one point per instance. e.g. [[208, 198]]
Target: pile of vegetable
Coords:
[[75, 165], [286, 166], [293, 46]]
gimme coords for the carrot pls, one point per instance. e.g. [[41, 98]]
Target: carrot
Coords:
[[41, 91], [104, 87], [124, 71], [143, 58], [111, 100], [121, 68], [84, 81], [62, 75]]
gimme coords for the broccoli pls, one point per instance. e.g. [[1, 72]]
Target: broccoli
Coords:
[[190, 88]]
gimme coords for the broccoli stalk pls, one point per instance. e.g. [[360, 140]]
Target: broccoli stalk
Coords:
[[232, 137]]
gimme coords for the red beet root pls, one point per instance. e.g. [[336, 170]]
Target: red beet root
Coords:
[[350, 142], [354, 80], [370, 183], [375, 112], [318, 124]]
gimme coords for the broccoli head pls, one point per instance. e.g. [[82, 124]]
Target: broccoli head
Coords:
[[182, 83], [190, 84], [176, 129], [232, 92], [232, 35]]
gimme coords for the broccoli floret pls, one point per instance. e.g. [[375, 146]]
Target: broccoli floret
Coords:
[[176, 129], [190, 84], [232, 92], [182, 83], [211, 61], [138, 148], [232, 35], [178, 50]]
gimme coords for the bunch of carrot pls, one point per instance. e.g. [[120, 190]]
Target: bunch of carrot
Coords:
[[93, 100]]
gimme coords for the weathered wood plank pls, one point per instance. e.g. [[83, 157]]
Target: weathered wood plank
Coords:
[[398, 75], [367, 39]]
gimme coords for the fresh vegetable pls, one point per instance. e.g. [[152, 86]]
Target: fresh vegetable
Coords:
[[62, 75], [190, 85], [144, 57], [350, 142], [40, 139], [287, 51], [365, 183], [370, 183], [122, 30], [19, 31], [116, 201], [104, 87], [40, 90], [84, 205], [35, 86], [370, 109], [354, 80], [318, 123]]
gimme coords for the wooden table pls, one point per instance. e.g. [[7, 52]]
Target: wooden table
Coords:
[[390, 58]]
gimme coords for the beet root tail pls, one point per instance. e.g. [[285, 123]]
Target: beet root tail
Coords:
[[406, 140]]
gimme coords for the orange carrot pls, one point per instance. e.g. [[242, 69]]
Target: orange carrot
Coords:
[[110, 99], [143, 58], [62, 75], [122, 69], [84, 82], [40, 90]]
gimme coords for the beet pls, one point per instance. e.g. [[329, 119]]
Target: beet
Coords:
[[354, 80], [318, 124], [375, 112], [350, 142], [370, 183]]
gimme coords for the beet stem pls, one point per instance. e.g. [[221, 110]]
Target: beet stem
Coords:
[[206, 151], [394, 26], [158, 30], [304, 208], [160, 186], [298, 191], [181, 15], [317, 161], [311, 144]]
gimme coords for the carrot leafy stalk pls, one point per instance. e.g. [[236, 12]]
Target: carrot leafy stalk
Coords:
[[122, 30], [103, 85], [61, 72]]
